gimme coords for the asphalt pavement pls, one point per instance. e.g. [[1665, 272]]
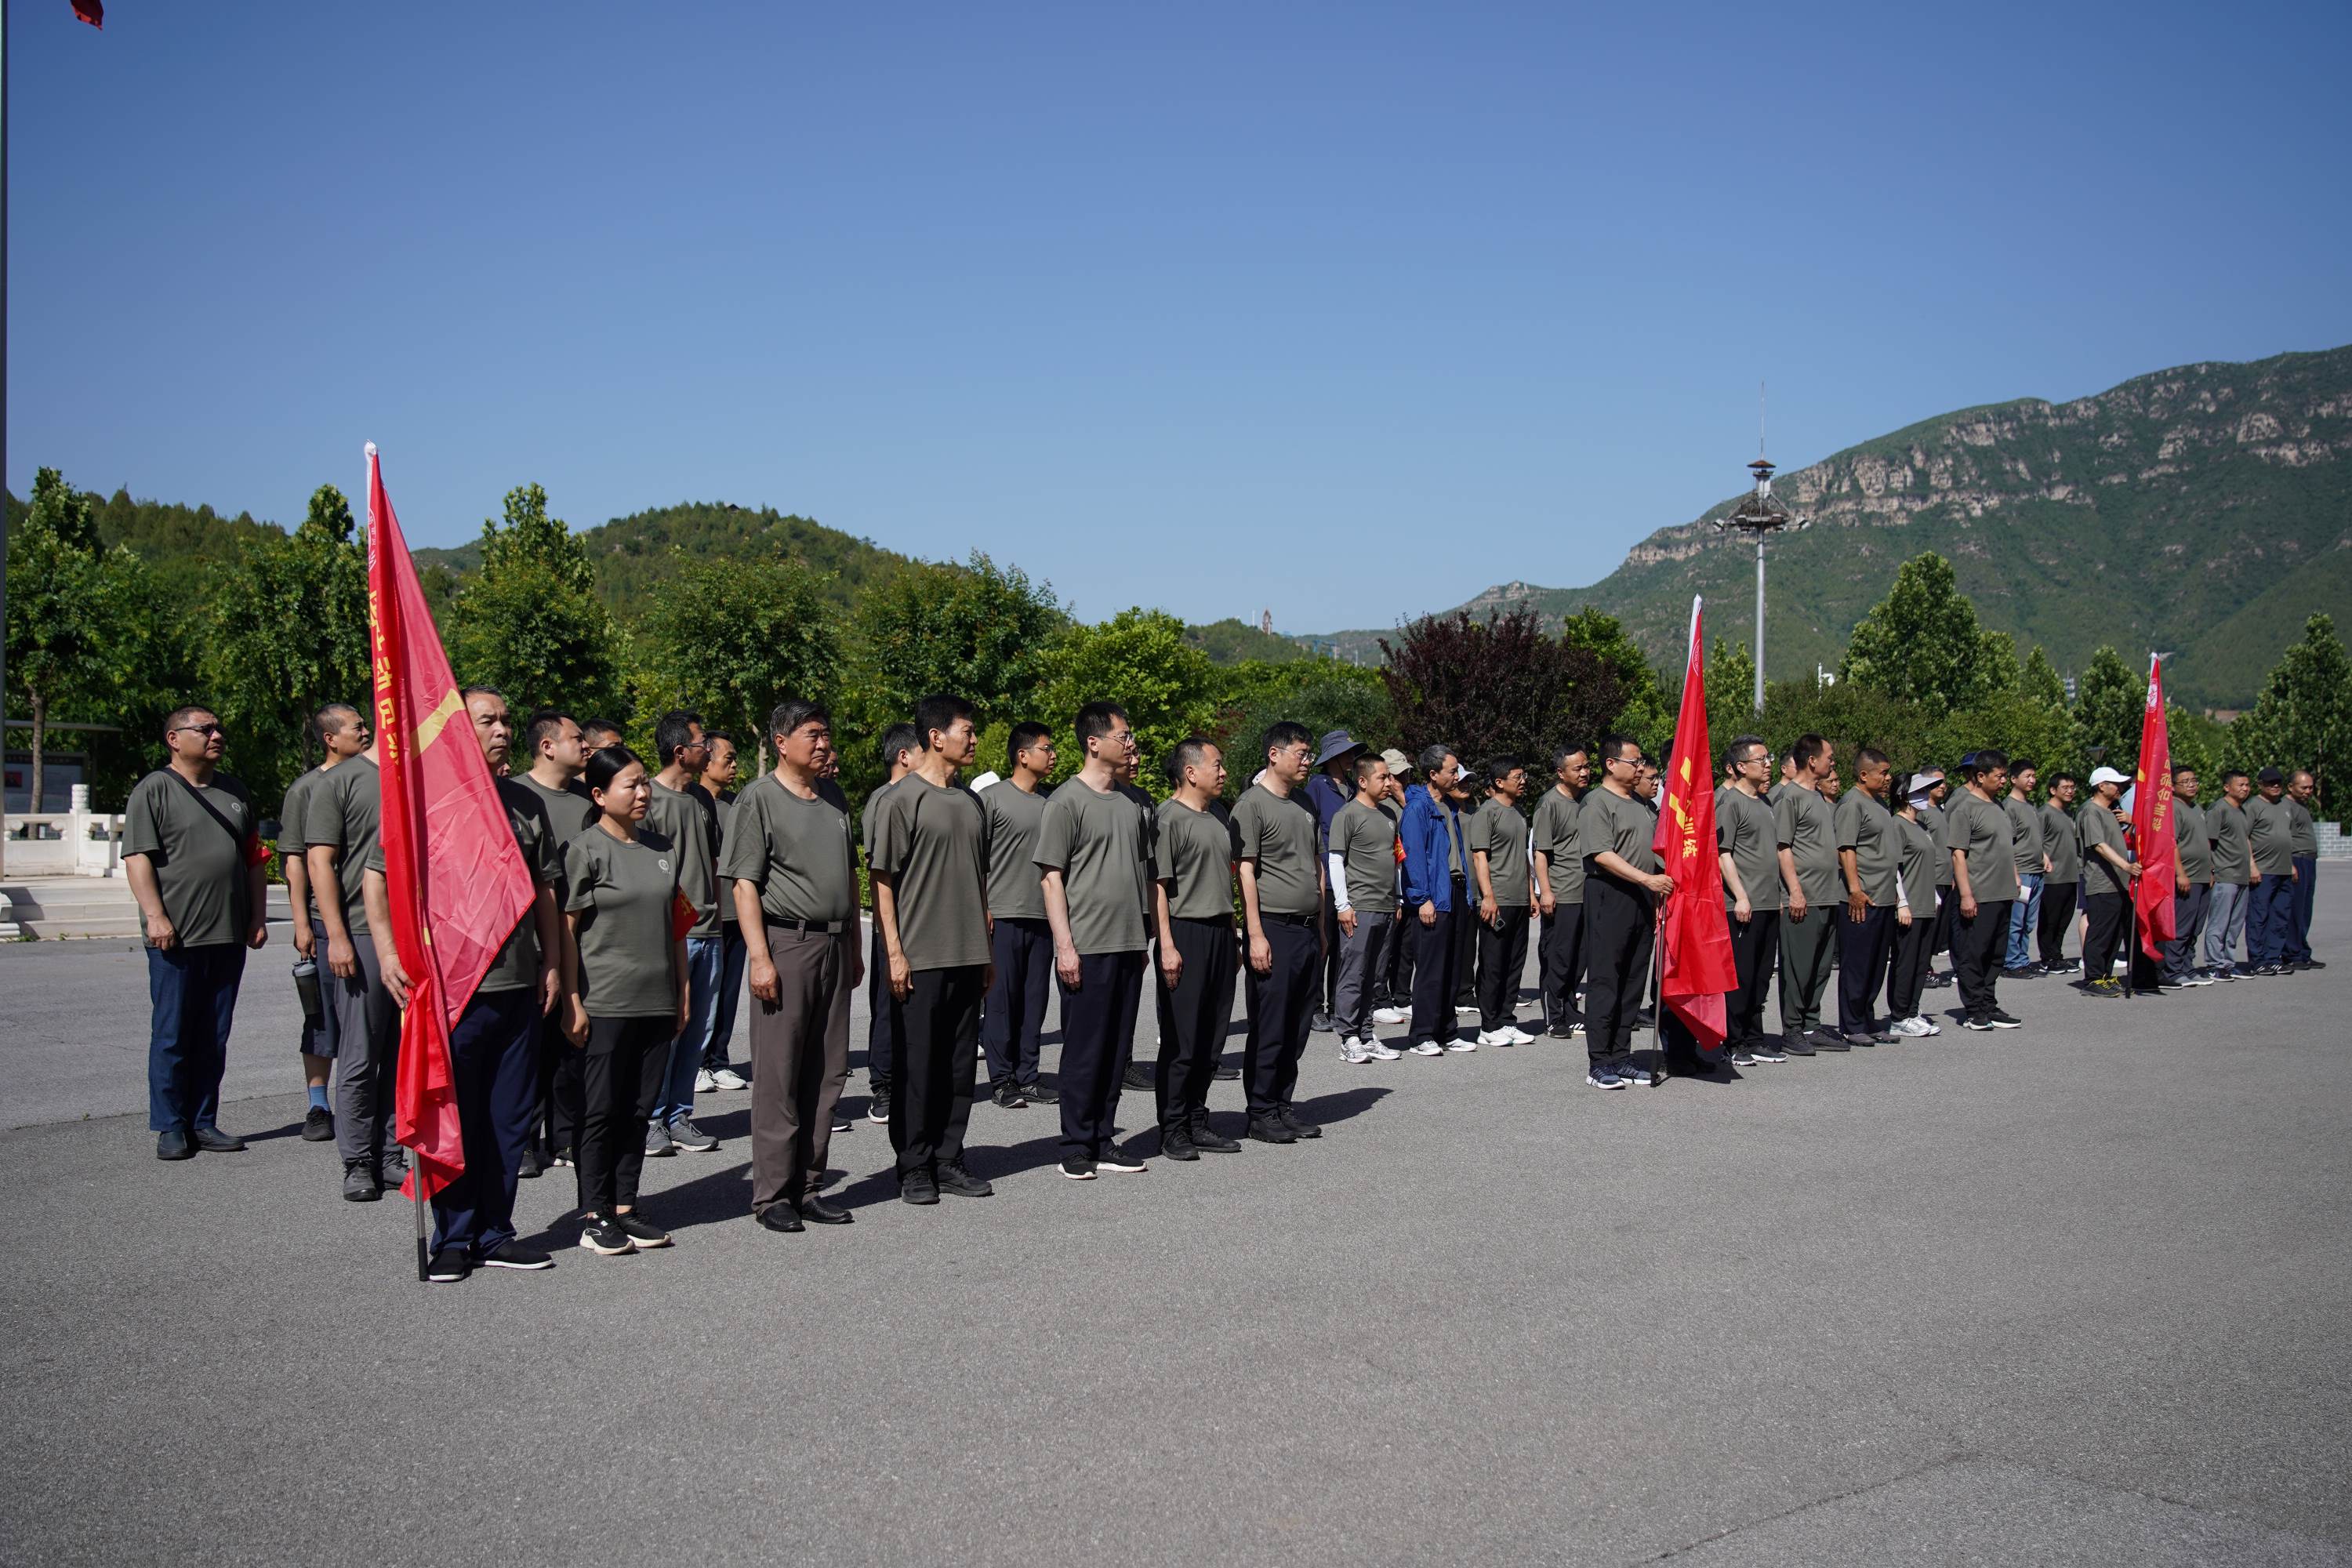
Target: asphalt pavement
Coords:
[[2075, 1293]]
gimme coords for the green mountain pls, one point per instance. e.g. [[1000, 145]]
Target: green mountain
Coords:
[[2202, 512]]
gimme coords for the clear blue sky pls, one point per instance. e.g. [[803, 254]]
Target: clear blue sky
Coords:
[[1345, 311]]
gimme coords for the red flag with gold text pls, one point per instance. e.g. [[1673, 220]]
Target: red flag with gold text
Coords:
[[1694, 961], [453, 875], [2152, 825]]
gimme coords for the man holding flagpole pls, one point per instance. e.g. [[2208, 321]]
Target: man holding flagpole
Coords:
[[1695, 966]]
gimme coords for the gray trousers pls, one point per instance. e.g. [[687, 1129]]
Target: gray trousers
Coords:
[[1808, 948], [2225, 917], [1358, 985], [367, 1051], [800, 1059]]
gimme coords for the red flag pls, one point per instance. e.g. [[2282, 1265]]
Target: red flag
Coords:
[[454, 877], [2160, 856], [92, 12], [1695, 962]]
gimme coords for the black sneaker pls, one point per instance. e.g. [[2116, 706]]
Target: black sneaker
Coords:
[[1270, 1130], [1038, 1094], [1822, 1040], [1796, 1044], [1077, 1167], [1865, 1041], [1322, 1023], [361, 1183], [1176, 1143], [1009, 1097], [213, 1141], [1300, 1126], [958, 1183], [515, 1255], [532, 1164], [918, 1188], [1138, 1076], [878, 1102], [1120, 1158], [448, 1268], [1207, 1139], [2311, 963], [319, 1125], [172, 1143], [1977, 1025], [1884, 1036], [603, 1237], [1763, 1048], [2026, 973], [1224, 1074], [2000, 1020], [644, 1235]]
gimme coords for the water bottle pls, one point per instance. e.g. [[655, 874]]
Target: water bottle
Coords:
[[306, 986]]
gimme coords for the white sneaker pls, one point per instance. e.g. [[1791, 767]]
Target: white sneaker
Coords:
[[1428, 1048], [1466, 1011], [703, 1082], [1379, 1052], [728, 1078], [1353, 1052], [1460, 1044], [1519, 1036], [1926, 1026], [1390, 1015], [1494, 1036]]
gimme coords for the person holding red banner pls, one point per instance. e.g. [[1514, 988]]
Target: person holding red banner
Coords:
[[626, 990], [493, 1049], [2108, 874]]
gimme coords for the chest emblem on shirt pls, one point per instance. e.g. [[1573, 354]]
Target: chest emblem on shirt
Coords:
[[661, 865]]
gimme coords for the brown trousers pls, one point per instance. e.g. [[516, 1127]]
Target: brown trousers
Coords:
[[800, 1059]]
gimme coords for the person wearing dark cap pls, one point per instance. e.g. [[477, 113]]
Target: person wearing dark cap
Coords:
[[1559, 890], [2303, 835], [2062, 846], [1329, 793], [2269, 908], [1980, 846]]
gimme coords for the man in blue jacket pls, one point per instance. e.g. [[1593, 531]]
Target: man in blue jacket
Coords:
[[1427, 830]]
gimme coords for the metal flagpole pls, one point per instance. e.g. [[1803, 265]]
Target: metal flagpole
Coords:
[[1658, 992]]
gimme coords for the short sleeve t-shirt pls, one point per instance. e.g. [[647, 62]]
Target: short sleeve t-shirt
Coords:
[[1555, 835], [1866, 828], [2025, 834], [1979, 829], [684, 817], [1932, 818], [1193, 853], [1014, 893], [1278, 832], [2063, 844], [722, 817], [293, 830], [624, 893], [2303, 832], [344, 816], [1916, 865], [2270, 833], [1499, 830], [2098, 825], [516, 968], [200, 866], [1097, 840], [1806, 826], [795, 850], [2193, 851], [1364, 838], [1745, 830], [931, 841], [1609, 822], [562, 814], [2227, 823]]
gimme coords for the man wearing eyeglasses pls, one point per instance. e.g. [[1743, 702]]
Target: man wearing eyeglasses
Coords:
[[1622, 882], [193, 859]]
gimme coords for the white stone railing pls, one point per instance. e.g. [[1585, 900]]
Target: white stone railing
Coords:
[[76, 843]]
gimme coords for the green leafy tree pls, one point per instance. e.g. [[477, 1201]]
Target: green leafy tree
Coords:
[[1643, 710], [977, 631], [2304, 717], [1321, 693], [287, 632], [1851, 717], [2110, 701], [1730, 695], [1921, 643], [2197, 743], [531, 624], [84, 641], [1142, 660], [2041, 682], [729, 639]]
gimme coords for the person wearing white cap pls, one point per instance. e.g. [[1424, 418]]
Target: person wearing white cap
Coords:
[[2108, 874]]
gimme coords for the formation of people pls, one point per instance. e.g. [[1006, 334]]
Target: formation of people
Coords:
[[1379, 898]]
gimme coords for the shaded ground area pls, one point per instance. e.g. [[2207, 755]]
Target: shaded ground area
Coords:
[[2072, 1294]]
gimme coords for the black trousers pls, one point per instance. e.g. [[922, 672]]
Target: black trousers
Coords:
[[493, 1061], [2111, 927], [2057, 918], [1978, 945], [1502, 959], [1619, 934], [1013, 1020], [1282, 1002], [1433, 973], [1755, 949], [1907, 965], [881, 1022], [1098, 1040], [560, 1088], [621, 1073], [1194, 1017], [1465, 946], [1948, 914], [937, 1026], [1863, 946], [1559, 962], [2188, 925]]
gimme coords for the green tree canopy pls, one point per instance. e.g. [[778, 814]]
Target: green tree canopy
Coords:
[[2304, 717], [977, 631], [1922, 643], [1730, 697], [1142, 660], [729, 639], [1643, 710], [530, 623], [2110, 701]]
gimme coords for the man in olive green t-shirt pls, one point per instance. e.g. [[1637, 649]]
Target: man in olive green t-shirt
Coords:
[[1359, 864], [341, 827], [1012, 1019], [680, 811], [1748, 857], [1559, 890], [1980, 846], [2302, 834], [2061, 886], [901, 746], [1869, 853], [194, 861], [2270, 907], [317, 1040], [2233, 875], [1496, 836], [2032, 863], [2192, 881], [1805, 828], [1282, 903], [1622, 883]]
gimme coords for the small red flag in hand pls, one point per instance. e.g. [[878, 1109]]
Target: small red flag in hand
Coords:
[[92, 12], [681, 916]]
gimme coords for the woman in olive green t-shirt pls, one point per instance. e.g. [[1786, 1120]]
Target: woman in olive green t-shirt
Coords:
[[626, 992]]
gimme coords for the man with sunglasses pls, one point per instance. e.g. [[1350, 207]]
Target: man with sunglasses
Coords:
[[193, 859]]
